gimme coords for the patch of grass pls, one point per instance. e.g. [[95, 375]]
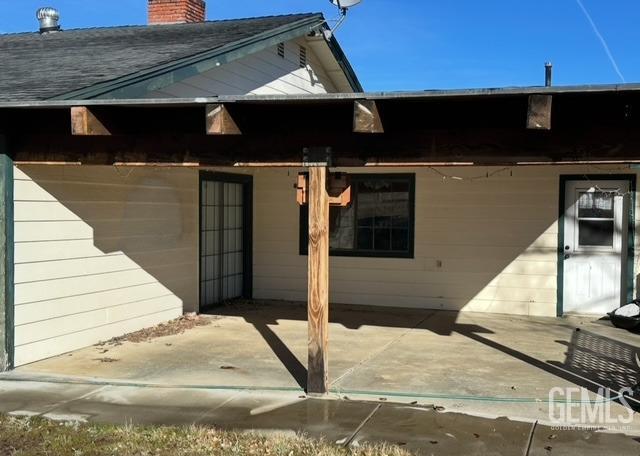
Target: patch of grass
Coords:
[[37, 436]]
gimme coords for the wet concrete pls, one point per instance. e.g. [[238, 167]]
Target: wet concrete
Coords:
[[426, 431], [422, 430], [333, 420], [36, 398], [547, 441], [144, 406], [477, 364]]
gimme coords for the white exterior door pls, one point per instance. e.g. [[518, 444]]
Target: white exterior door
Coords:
[[595, 231]]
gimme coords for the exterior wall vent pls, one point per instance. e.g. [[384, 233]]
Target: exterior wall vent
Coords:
[[281, 50], [303, 57]]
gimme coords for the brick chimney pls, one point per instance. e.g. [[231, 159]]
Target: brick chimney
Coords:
[[176, 11]]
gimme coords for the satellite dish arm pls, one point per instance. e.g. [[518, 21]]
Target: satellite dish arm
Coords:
[[343, 6], [343, 16]]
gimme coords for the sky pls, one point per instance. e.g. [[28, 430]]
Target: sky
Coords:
[[427, 44]]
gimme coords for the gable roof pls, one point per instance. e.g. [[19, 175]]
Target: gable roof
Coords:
[[99, 62]]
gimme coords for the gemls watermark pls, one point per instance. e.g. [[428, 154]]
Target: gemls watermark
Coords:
[[573, 408]]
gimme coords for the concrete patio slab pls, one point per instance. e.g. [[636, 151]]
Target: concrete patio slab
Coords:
[[37, 398], [425, 431], [139, 405], [478, 364], [334, 420]]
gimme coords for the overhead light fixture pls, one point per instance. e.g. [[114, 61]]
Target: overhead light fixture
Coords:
[[343, 6]]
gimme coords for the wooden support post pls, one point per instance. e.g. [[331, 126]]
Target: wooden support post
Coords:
[[539, 112], [318, 286], [85, 123], [366, 118], [219, 121], [6, 258]]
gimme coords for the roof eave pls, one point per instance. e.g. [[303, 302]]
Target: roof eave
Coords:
[[334, 97], [343, 62]]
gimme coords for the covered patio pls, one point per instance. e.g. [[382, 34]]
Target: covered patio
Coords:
[[487, 365], [112, 196]]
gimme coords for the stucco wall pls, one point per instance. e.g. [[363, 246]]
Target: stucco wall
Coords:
[[100, 251], [487, 245]]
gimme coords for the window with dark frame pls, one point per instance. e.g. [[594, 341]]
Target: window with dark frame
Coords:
[[379, 222]]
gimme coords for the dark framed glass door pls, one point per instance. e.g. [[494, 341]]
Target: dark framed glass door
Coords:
[[225, 237]]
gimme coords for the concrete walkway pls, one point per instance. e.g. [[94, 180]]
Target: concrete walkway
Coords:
[[421, 429]]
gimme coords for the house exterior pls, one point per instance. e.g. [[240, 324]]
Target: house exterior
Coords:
[[128, 203], [177, 55]]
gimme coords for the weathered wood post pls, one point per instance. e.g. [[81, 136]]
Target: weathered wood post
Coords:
[[6, 257], [318, 281]]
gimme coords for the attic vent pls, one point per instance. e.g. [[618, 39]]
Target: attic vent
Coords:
[[48, 18], [303, 57], [281, 50]]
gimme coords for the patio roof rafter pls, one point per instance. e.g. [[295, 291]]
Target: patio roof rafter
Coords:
[[488, 129], [84, 122]]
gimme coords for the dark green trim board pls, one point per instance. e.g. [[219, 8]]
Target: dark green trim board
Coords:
[[6, 258], [247, 232], [630, 273]]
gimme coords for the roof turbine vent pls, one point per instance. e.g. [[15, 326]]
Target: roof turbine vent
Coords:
[[48, 18]]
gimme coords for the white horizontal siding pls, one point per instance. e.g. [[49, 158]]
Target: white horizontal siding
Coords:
[[74, 340], [262, 73], [487, 245], [100, 251]]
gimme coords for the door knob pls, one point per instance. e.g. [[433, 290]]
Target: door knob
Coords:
[[567, 256]]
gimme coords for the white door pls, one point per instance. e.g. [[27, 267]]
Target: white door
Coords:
[[595, 231]]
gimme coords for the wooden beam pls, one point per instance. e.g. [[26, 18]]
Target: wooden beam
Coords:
[[318, 286], [429, 147], [268, 164], [219, 121], [85, 123], [366, 118], [539, 113]]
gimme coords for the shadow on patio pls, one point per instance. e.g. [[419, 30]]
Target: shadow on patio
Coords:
[[571, 354]]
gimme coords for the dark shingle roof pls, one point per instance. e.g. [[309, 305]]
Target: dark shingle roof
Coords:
[[38, 67]]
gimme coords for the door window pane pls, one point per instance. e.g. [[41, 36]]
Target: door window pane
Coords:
[[596, 233], [595, 205]]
